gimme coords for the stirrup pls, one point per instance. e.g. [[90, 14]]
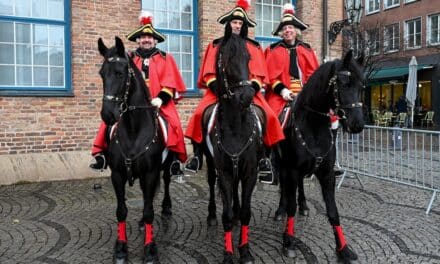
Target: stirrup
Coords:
[[265, 166], [266, 178], [175, 168], [193, 164], [100, 164]]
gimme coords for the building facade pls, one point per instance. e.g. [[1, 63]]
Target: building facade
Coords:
[[50, 90], [392, 32]]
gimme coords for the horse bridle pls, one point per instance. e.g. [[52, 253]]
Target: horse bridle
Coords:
[[123, 105], [339, 109], [230, 88]]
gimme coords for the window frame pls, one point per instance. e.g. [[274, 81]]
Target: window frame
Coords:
[[406, 38], [386, 6], [392, 38], [191, 91], [45, 91], [270, 39], [367, 8], [428, 30], [410, 1], [376, 41]]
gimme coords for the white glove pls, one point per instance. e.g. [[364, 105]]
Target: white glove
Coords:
[[157, 102], [286, 94]]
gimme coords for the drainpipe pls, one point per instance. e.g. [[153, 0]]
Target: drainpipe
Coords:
[[324, 29]]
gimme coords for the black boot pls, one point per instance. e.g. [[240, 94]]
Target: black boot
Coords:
[[195, 163], [175, 168], [100, 162], [265, 171]]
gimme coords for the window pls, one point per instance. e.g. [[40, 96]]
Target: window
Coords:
[[177, 20], [413, 33], [433, 29], [35, 47], [391, 38], [373, 41], [390, 3], [356, 43], [268, 14], [372, 6]]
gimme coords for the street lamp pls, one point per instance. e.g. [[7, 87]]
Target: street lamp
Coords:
[[353, 11]]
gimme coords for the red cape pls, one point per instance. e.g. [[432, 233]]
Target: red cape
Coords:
[[278, 63], [163, 72], [257, 71]]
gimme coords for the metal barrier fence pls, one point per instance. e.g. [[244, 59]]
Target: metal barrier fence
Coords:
[[405, 156]]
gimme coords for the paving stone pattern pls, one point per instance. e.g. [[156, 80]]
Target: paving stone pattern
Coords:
[[70, 222]]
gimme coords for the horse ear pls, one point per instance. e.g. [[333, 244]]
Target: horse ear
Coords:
[[348, 57], [101, 47], [120, 47], [360, 59]]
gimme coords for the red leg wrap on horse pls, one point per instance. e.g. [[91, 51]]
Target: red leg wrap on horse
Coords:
[[244, 235], [340, 236], [228, 241], [148, 234], [122, 233], [290, 226]]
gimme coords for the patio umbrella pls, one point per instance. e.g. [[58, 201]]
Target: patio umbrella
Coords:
[[411, 87]]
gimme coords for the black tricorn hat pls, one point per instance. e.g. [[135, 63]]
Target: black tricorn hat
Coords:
[[289, 18], [146, 28], [238, 12]]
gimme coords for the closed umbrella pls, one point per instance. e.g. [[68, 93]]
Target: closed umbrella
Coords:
[[411, 87]]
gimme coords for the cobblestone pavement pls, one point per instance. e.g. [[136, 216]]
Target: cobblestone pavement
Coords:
[[70, 222]]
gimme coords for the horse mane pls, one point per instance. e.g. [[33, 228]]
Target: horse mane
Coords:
[[233, 49]]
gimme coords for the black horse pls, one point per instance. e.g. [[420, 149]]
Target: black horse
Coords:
[[234, 145], [309, 144], [136, 148]]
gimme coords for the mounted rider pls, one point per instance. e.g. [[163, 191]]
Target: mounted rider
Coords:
[[237, 22], [165, 82], [290, 63]]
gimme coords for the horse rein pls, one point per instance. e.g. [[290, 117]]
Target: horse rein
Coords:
[[340, 108]]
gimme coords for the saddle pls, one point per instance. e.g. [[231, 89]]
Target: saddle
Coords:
[[285, 116]]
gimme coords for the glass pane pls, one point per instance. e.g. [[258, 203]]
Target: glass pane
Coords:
[[40, 34], [277, 13], [55, 9], [39, 8], [6, 54], [174, 43], [6, 7], [56, 36], [267, 13], [173, 5], [56, 57], [176, 57], [174, 20], [258, 11], [186, 5], [160, 19], [40, 55], [160, 5], [23, 8], [186, 62], [56, 76], [24, 75], [267, 28], [7, 32], [23, 33], [186, 44], [186, 21], [187, 78], [24, 54], [40, 76], [7, 75]]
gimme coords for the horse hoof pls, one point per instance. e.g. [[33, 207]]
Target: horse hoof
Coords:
[[346, 254], [279, 215], [120, 253], [304, 212], [166, 211], [227, 258], [150, 254], [288, 252], [212, 221], [245, 255]]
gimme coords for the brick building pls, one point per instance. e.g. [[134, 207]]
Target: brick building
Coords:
[[393, 31], [50, 90]]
